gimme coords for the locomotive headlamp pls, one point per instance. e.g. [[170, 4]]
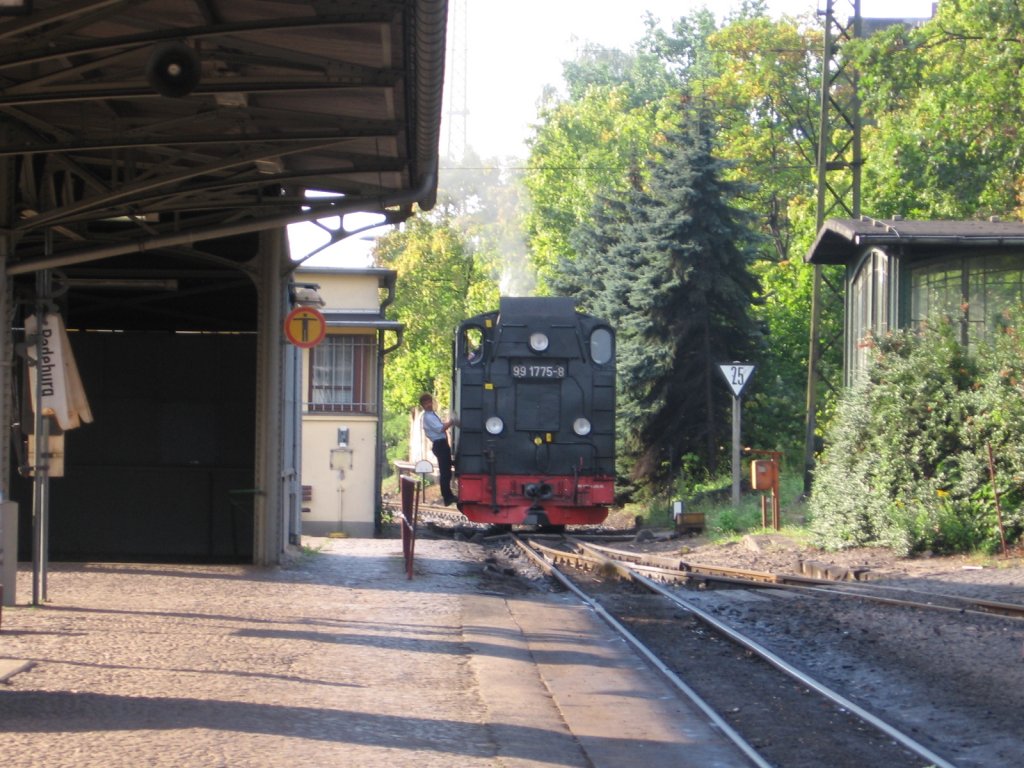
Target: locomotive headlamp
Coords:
[[538, 342], [581, 426], [494, 425]]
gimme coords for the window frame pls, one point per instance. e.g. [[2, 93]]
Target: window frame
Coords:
[[358, 354], [977, 278], [869, 306]]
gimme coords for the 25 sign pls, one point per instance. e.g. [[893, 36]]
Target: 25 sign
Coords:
[[736, 376]]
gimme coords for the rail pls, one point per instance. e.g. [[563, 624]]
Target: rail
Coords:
[[549, 558], [673, 569], [534, 553]]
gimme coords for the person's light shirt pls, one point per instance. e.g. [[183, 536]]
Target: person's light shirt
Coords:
[[433, 427]]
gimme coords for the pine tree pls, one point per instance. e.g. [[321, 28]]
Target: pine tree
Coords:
[[669, 267]]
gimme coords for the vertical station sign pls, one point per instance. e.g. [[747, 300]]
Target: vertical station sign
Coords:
[[55, 385], [737, 375]]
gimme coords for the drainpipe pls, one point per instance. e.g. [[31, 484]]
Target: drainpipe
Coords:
[[378, 469]]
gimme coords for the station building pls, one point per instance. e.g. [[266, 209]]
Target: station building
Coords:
[[152, 155], [343, 459], [899, 274]]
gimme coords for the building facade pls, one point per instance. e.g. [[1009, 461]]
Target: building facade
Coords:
[[341, 388], [902, 274]]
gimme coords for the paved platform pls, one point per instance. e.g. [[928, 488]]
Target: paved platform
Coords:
[[336, 660]]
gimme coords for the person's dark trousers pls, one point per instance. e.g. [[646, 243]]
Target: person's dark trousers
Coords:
[[443, 452]]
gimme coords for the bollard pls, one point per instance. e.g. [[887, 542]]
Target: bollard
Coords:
[[8, 552], [409, 491]]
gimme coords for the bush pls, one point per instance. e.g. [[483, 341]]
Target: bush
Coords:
[[906, 458]]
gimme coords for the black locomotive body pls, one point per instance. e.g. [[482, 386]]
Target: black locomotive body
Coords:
[[534, 391]]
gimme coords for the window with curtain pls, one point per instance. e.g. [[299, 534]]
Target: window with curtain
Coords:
[[343, 374]]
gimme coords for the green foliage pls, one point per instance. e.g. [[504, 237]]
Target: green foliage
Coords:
[[773, 403], [712, 496], [589, 182], [906, 461], [596, 144], [441, 281], [943, 108], [728, 521], [764, 106], [995, 420], [668, 266], [765, 112]]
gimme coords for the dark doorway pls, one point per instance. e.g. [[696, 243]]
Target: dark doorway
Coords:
[[166, 470]]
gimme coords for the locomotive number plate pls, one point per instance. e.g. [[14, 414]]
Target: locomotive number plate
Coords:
[[532, 369]]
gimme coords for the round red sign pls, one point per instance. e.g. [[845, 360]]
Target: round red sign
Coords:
[[305, 327]]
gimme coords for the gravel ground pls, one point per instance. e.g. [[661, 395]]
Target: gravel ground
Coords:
[[954, 680]]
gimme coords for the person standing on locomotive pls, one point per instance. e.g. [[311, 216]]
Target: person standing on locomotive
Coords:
[[437, 433]]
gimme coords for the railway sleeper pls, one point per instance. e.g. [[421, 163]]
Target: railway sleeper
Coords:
[[831, 572]]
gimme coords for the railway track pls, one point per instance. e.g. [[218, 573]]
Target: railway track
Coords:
[[673, 569], [753, 694], [453, 520]]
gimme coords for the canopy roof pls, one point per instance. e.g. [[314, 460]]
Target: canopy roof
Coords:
[[841, 240], [165, 126]]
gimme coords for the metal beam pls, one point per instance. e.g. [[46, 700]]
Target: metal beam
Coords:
[[142, 245], [839, 156]]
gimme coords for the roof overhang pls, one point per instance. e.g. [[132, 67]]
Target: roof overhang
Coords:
[[841, 240], [348, 322], [174, 130]]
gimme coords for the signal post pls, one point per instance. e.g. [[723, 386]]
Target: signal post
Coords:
[[737, 375]]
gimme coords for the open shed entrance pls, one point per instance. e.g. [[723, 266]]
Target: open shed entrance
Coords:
[[168, 358], [164, 472]]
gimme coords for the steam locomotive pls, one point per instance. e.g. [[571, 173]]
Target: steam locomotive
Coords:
[[534, 390]]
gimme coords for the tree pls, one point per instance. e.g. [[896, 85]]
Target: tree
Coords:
[[758, 80], [943, 108], [907, 459], [670, 267], [762, 88], [597, 141], [763, 94], [485, 201], [441, 281]]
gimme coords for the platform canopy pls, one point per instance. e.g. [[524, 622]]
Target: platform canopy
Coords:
[[172, 129]]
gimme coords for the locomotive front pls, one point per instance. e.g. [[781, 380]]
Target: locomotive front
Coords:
[[534, 390]]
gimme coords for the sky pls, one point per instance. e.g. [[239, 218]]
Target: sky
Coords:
[[510, 51], [510, 55]]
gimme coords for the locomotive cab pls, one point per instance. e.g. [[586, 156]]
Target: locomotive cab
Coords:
[[534, 388]]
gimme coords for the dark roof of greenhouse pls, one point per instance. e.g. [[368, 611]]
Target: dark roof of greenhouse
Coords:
[[841, 240]]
